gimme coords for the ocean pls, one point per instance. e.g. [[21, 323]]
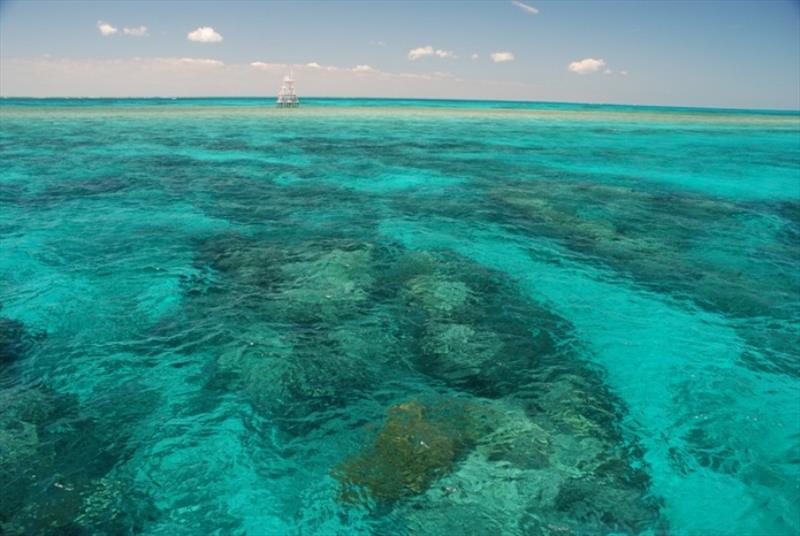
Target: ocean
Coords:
[[369, 316]]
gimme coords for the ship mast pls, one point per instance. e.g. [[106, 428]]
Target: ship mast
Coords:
[[287, 98]]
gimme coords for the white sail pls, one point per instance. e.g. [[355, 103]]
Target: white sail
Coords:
[[287, 98]]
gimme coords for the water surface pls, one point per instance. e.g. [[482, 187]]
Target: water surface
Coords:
[[398, 317]]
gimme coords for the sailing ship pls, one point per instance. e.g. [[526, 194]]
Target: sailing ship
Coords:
[[287, 98]]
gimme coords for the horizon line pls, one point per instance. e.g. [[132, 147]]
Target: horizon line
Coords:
[[432, 99]]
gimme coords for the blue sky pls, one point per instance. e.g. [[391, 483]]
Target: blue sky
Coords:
[[702, 53]]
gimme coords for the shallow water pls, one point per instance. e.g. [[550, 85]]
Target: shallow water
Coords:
[[398, 317]]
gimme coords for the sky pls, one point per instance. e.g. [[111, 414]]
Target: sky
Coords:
[[733, 53]]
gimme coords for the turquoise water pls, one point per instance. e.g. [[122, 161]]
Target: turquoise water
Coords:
[[398, 317]]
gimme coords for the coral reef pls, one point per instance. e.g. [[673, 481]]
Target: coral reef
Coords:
[[54, 467], [115, 506], [472, 328], [459, 350], [25, 450], [310, 281], [417, 444], [325, 288], [315, 332], [677, 244], [330, 320], [295, 375], [15, 340], [517, 480], [11, 340], [439, 296], [616, 226]]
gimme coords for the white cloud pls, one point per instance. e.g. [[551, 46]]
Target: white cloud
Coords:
[[422, 52], [204, 34], [624, 73], [587, 65], [203, 62], [139, 31], [608, 71], [499, 57], [264, 66], [106, 29], [187, 62], [525, 7], [474, 56], [313, 66]]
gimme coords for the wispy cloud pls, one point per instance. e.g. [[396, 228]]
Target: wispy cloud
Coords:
[[138, 31], [525, 7], [264, 66], [363, 69], [182, 62], [188, 76], [204, 34], [204, 62], [422, 52], [587, 65], [360, 69], [500, 57], [106, 29], [474, 56]]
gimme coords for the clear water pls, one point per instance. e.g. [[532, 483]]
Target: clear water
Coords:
[[213, 309]]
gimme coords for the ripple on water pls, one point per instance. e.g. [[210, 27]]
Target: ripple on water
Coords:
[[397, 320]]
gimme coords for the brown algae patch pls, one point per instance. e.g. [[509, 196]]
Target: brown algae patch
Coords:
[[417, 444]]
